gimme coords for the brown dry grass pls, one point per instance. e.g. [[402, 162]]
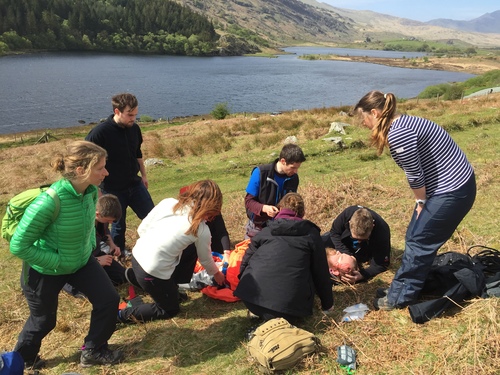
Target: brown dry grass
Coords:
[[207, 337], [473, 65]]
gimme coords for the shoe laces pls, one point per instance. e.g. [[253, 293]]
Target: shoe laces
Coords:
[[106, 353]]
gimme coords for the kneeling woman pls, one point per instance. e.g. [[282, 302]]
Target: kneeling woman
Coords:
[[160, 259], [285, 265]]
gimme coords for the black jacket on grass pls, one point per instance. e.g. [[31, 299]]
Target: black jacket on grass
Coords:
[[284, 267]]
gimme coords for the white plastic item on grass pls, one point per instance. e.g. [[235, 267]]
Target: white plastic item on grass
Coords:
[[355, 312]]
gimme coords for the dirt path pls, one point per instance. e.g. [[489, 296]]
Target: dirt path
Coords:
[[472, 65]]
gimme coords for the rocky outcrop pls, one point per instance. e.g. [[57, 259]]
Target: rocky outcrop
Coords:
[[230, 45]]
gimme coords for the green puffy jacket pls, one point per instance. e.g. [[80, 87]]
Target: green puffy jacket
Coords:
[[61, 247]]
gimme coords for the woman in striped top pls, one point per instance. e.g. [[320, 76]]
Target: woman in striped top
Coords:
[[442, 181]]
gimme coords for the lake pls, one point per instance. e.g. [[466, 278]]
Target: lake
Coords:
[[53, 90]]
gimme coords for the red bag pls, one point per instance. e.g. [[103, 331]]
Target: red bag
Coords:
[[233, 270]]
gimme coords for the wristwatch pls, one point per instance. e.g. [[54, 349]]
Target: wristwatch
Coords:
[[421, 202]]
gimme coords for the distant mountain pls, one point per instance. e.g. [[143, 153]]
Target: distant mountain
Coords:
[[286, 22], [278, 21], [487, 23], [383, 27]]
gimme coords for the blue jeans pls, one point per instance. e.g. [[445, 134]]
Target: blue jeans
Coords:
[[425, 235], [136, 197]]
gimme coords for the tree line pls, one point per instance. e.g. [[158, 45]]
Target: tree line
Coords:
[[155, 26]]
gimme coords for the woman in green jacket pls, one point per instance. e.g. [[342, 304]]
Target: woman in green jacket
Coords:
[[56, 252]]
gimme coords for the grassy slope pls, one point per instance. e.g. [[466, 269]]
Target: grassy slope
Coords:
[[208, 336]]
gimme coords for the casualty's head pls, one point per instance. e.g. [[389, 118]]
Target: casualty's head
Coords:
[[340, 264]]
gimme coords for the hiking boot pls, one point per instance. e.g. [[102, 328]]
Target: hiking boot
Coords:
[[183, 297], [37, 364], [130, 277], [251, 333], [119, 318], [100, 356], [251, 315], [383, 304], [126, 317], [382, 292]]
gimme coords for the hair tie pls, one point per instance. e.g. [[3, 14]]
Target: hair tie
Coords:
[[385, 96]]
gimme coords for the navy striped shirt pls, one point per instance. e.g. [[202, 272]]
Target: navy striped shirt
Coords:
[[428, 155]]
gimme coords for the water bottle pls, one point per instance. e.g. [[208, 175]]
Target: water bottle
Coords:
[[225, 261], [224, 268]]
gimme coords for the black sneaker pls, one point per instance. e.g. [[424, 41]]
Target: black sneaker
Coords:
[[183, 297], [251, 332], [381, 292], [101, 356], [130, 276], [37, 364], [383, 304], [251, 315]]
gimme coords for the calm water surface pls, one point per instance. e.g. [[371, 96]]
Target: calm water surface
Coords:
[[52, 90]]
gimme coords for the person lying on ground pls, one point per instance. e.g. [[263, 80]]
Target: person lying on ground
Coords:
[[364, 234]]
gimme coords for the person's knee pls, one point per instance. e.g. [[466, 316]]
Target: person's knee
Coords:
[[106, 301], [45, 323], [167, 312]]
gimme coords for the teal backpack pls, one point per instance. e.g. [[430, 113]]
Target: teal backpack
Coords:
[[18, 204]]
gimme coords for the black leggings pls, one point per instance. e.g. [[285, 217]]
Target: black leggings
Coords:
[[164, 292], [42, 293]]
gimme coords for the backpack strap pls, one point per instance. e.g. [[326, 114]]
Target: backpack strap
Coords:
[[488, 257], [50, 191]]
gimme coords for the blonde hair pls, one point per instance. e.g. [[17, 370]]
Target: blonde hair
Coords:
[[361, 223], [386, 104], [78, 154], [294, 202], [205, 201]]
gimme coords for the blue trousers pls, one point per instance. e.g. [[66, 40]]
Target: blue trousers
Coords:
[[136, 197], [434, 226], [42, 294]]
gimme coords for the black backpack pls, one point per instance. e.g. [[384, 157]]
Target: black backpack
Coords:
[[441, 275], [453, 278]]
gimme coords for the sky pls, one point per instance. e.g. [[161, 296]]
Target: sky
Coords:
[[426, 10]]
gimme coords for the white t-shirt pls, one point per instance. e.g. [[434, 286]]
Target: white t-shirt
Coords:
[[163, 238]]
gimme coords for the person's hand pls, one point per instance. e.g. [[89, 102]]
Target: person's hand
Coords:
[[270, 211], [145, 182], [352, 278], [419, 209], [220, 278], [115, 250], [105, 260]]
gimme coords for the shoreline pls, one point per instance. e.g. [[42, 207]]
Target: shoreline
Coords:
[[472, 65]]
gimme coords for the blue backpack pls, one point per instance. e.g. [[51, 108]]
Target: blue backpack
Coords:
[[11, 363]]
